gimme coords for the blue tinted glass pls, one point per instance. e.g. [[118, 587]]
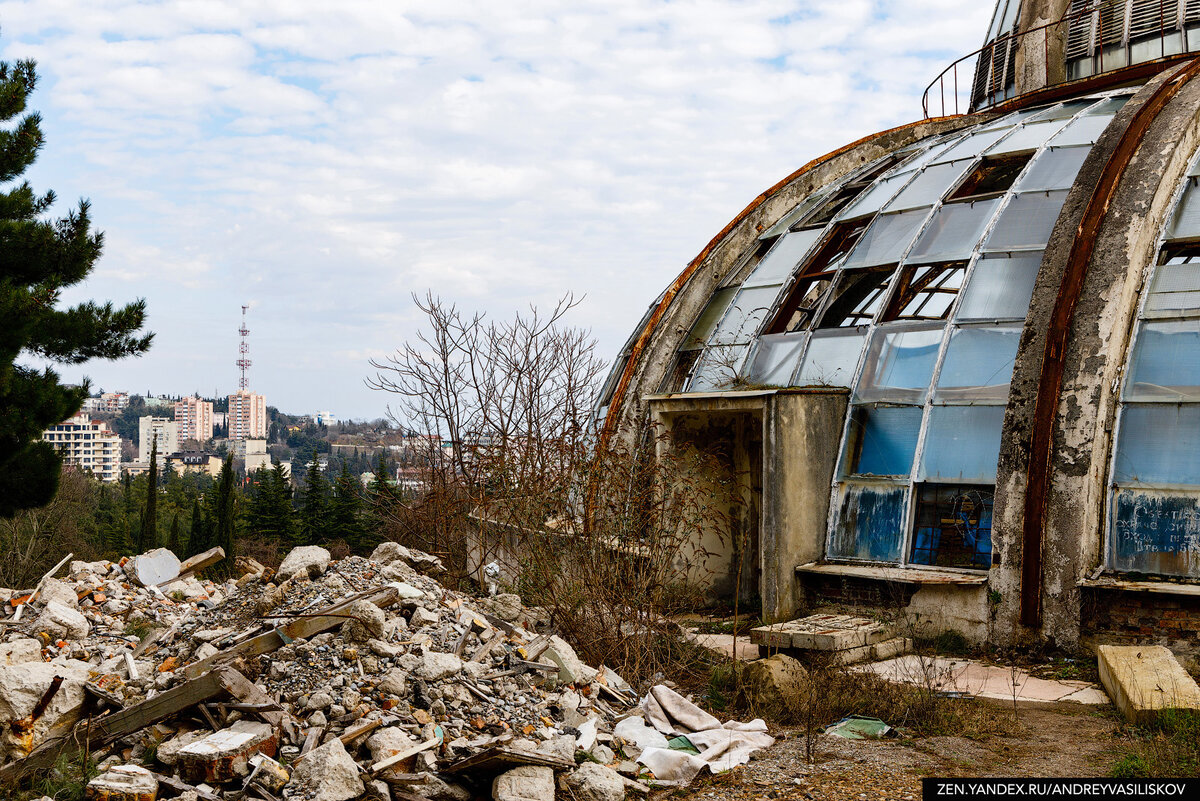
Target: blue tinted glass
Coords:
[[870, 523], [1166, 361], [1159, 444], [962, 443], [883, 440], [899, 365], [978, 364]]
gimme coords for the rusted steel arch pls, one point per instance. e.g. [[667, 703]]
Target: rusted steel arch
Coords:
[[1053, 363], [618, 397]]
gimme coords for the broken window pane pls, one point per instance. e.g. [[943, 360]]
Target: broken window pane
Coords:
[[1055, 168], [746, 314], [1166, 361], [929, 185], [777, 265], [804, 301], [858, 296], [1176, 288], [899, 365], [831, 359], [1083, 131], [887, 239], [776, 358], [953, 526], [706, 323], [962, 444], [1186, 222], [1000, 287], [1027, 221], [1030, 136], [680, 371], [1159, 443], [718, 368], [993, 175], [882, 440], [870, 523], [926, 292], [954, 232], [979, 364], [1155, 531]]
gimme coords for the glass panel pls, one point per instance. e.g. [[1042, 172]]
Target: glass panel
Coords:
[[887, 239], [926, 292], [962, 443], [1176, 288], [929, 185], [858, 297], [1000, 287], [873, 199], [718, 368], [870, 523], [978, 364], [746, 314], [1055, 168], [1166, 361], [954, 232], [974, 144], [1155, 531], [1030, 136], [899, 364], [1027, 221], [1186, 222], [777, 265], [792, 217], [1066, 110], [831, 359], [882, 440], [1159, 444], [706, 323], [953, 526], [1086, 129], [775, 360]]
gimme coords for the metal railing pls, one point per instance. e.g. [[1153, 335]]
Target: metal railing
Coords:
[[966, 96]]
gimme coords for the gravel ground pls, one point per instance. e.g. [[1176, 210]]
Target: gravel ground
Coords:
[[1059, 740]]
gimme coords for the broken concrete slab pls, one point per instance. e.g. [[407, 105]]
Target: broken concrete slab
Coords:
[[982, 681], [525, 783], [153, 567], [225, 755], [168, 750], [59, 620], [19, 651], [123, 783], [55, 590], [435, 666], [821, 633], [307, 560], [571, 669], [1145, 681], [366, 621], [22, 690], [592, 782], [328, 773]]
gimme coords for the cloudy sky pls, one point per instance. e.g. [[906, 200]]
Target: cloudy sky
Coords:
[[321, 161]]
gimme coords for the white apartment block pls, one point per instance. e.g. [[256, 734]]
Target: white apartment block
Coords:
[[107, 402], [247, 415], [162, 430], [193, 420], [87, 444]]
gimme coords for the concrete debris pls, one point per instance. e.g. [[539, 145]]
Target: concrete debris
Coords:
[[773, 684], [1144, 681], [123, 783], [362, 677]]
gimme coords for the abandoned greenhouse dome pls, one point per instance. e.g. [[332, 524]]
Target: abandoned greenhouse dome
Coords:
[[955, 365]]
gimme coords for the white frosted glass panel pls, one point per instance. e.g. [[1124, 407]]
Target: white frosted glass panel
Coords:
[[776, 358], [1064, 111], [1176, 289], [1084, 130], [778, 264], [1166, 361], [873, 199], [718, 368], [1054, 168], [1000, 287], [1159, 444], [706, 323], [979, 364], [929, 185], [974, 144], [1186, 222], [1027, 221], [899, 365], [1030, 136], [962, 444], [831, 360], [954, 232], [887, 239], [746, 314]]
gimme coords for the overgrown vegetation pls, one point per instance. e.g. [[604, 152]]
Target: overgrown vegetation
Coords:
[[1168, 747]]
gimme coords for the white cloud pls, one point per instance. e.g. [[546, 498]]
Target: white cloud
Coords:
[[325, 160]]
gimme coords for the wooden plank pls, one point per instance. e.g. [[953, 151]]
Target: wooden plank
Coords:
[[311, 740], [20, 609], [299, 629], [486, 648], [194, 564], [354, 732], [179, 787], [400, 756], [500, 758]]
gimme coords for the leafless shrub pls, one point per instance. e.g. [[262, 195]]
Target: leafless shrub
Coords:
[[33, 540]]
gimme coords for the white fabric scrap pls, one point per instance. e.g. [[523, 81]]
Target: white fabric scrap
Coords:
[[721, 746]]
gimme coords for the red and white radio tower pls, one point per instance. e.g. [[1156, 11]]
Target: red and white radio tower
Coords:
[[243, 361]]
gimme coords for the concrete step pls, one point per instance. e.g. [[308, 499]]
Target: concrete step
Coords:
[[821, 633], [1145, 681]]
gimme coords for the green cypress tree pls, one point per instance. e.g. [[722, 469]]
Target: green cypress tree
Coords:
[[314, 505], [41, 257], [345, 510], [173, 541], [196, 529], [226, 514], [148, 536]]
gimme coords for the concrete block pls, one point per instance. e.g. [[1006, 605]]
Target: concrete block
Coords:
[[153, 567], [123, 783], [821, 633], [1144, 681], [873, 652], [225, 755], [328, 773], [526, 783], [62, 621], [307, 560], [19, 651]]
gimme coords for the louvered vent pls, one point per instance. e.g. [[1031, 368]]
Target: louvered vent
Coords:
[[1191, 11], [1079, 32], [1152, 17], [983, 77], [1112, 22]]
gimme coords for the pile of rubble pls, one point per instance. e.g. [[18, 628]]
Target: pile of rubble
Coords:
[[325, 681]]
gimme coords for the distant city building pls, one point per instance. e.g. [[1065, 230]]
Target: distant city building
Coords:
[[87, 444], [219, 419], [247, 415], [160, 402], [323, 418], [253, 452], [107, 402], [195, 462], [162, 430], [194, 420], [135, 468]]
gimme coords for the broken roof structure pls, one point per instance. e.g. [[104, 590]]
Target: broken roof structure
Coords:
[[955, 366]]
